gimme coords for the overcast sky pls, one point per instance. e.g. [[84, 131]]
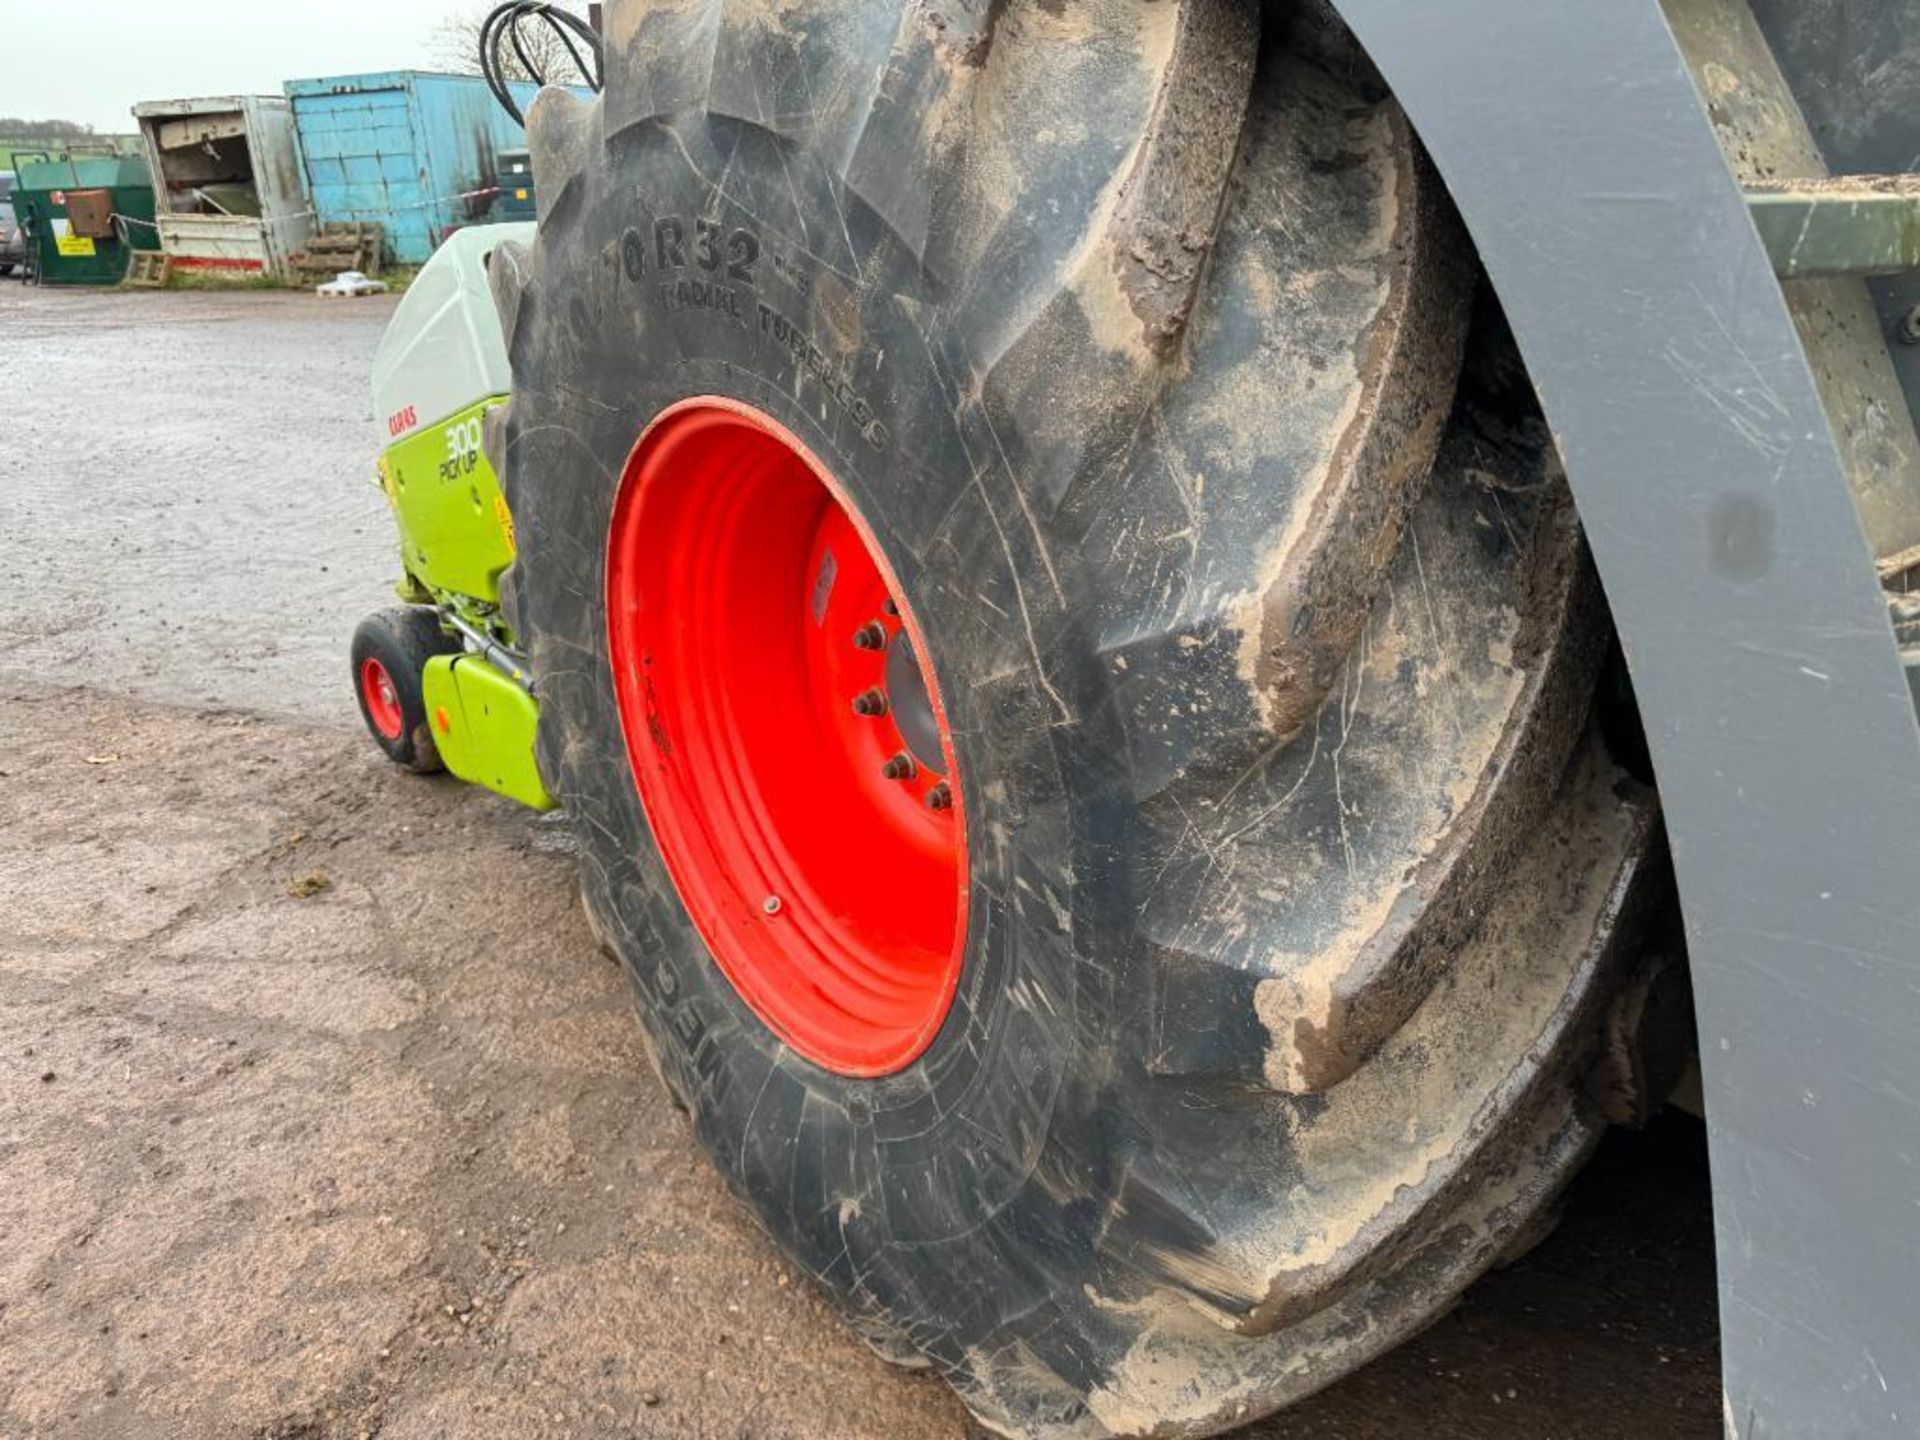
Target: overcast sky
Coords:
[[90, 60]]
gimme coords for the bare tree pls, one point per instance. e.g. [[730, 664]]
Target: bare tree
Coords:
[[455, 45]]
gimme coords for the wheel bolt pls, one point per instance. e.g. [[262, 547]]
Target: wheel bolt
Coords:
[[871, 636], [771, 905], [940, 798], [901, 767], [873, 704]]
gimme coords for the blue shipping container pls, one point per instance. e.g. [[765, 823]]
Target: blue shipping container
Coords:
[[416, 151]]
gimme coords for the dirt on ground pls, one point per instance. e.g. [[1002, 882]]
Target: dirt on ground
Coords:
[[321, 1117]]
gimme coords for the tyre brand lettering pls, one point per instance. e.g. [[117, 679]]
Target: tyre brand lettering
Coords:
[[791, 338], [701, 295], [665, 996], [709, 247], [682, 1014], [706, 252], [669, 240], [702, 266], [794, 276], [743, 253]]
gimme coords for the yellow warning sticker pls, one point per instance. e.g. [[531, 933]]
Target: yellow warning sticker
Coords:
[[505, 517], [69, 243]]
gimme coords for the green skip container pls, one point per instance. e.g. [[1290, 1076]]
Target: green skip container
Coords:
[[61, 202]]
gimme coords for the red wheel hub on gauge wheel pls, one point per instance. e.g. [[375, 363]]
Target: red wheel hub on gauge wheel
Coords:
[[382, 700], [787, 737]]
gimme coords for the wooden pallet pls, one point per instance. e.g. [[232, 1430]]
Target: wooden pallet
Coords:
[[149, 269], [332, 249]]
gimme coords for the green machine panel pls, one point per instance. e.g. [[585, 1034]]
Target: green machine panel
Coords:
[[484, 727], [456, 534]]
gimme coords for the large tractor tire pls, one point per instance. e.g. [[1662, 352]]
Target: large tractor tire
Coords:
[[1073, 666]]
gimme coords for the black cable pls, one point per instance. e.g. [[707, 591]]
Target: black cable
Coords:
[[527, 66], [502, 27], [490, 36], [579, 65]]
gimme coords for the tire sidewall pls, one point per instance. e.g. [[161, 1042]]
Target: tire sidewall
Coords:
[[403, 641], [854, 1174]]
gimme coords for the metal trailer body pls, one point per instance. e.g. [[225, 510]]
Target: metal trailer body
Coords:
[[1717, 501], [419, 152], [227, 183]]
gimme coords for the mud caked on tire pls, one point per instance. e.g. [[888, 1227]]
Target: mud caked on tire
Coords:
[[1139, 347]]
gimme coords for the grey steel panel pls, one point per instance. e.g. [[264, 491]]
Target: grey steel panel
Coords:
[[1779, 717]]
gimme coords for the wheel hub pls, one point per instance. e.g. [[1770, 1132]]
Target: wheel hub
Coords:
[[382, 699], [789, 746]]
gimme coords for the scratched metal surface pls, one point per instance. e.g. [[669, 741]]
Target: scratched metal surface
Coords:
[[1781, 727]]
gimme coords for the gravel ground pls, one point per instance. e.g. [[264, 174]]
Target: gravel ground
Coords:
[[189, 509], [320, 1115]]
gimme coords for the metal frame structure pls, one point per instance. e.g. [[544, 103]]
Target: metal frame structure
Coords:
[[1780, 721], [193, 230]]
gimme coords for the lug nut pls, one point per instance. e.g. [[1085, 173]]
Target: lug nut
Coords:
[[873, 704], [940, 798], [901, 767], [871, 636], [771, 905]]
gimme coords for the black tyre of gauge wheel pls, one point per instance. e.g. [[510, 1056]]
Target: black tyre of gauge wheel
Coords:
[[390, 651]]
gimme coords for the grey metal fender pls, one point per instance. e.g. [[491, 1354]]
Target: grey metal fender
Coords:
[[1780, 721]]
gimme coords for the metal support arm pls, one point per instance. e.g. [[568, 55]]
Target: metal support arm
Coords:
[[1850, 225]]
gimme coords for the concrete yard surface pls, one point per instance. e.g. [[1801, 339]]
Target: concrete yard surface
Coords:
[[189, 509], [321, 1116]]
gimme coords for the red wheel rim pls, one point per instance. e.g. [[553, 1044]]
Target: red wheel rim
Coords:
[[790, 748], [382, 700]]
